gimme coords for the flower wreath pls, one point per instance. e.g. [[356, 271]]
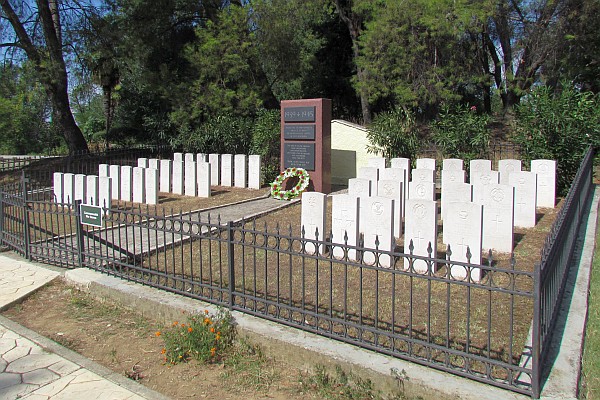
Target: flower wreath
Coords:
[[276, 186]]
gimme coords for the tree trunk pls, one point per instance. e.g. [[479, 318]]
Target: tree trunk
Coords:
[[354, 23], [50, 67]]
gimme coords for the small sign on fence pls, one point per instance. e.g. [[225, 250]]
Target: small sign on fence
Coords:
[[90, 215]]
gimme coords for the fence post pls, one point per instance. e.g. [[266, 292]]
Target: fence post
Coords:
[[1, 216], [79, 233], [26, 230], [536, 339], [230, 255]]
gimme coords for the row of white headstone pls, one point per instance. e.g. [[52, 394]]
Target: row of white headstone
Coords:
[[237, 170], [476, 216]]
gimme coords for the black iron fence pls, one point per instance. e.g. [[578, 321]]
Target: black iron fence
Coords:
[[40, 170], [476, 329]]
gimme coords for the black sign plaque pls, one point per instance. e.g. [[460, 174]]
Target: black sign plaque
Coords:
[[300, 155], [299, 114], [299, 132]]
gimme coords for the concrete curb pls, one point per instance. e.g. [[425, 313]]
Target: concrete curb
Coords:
[[293, 345]]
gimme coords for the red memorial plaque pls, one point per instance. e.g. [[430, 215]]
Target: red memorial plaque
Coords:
[[306, 139]]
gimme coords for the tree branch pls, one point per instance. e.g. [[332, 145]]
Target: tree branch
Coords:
[[24, 39]]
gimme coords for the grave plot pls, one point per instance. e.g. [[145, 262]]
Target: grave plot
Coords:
[[423, 306]]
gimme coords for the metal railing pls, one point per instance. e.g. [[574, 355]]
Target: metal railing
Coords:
[[553, 269], [476, 329]]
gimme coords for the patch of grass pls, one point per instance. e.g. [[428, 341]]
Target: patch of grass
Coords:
[[248, 367], [342, 385], [590, 383]]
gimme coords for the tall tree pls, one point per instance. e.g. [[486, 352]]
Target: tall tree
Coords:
[[354, 14], [521, 37], [45, 52]]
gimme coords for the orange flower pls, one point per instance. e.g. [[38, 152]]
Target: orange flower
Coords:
[[206, 312], [190, 329], [212, 330], [157, 333], [218, 336], [207, 321], [175, 323], [213, 351], [183, 325], [163, 351]]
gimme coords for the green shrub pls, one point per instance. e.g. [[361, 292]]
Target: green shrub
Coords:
[[461, 132], [558, 126], [393, 134], [266, 140], [204, 338], [223, 134]]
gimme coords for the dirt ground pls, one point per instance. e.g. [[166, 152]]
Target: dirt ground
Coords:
[[125, 342]]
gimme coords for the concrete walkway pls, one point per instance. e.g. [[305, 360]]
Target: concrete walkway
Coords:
[[33, 367], [126, 241]]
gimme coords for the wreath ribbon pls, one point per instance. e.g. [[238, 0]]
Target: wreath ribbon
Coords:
[[277, 186]]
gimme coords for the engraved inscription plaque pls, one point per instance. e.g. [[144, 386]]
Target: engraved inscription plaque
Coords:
[[299, 132], [301, 155], [299, 114]]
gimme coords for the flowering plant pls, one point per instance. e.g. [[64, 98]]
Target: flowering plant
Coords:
[[277, 186]]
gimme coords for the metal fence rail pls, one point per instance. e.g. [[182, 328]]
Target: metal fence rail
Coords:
[[476, 329], [553, 269]]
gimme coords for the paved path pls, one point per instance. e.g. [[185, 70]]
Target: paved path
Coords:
[[127, 241], [35, 368]]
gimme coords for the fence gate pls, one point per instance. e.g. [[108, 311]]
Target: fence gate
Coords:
[[14, 219]]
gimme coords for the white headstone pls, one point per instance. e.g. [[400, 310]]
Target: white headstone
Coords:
[[190, 178], [58, 186], [142, 163], [203, 179], [151, 185], [178, 174], [421, 191], [463, 226], [103, 170], [344, 224], [201, 157], [254, 172], [177, 156], [546, 182], [377, 162], [426, 163], [370, 173], [104, 191], [239, 167], [165, 173], [226, 169], [403, 163], [68, 188], [312, 220], [91, 190], [477, 167], [498, 216], [525, 184], [139, 185], [423, 175], [378, 227], [455, 192], [189, 158], [392, 189], [80, 187], [421, 227], [359, 187], [126, 183], [115, 180], [452, 164], [450, 175], [215, 169], [154, 163], [507, 167], [484, 179], [396, 174]]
